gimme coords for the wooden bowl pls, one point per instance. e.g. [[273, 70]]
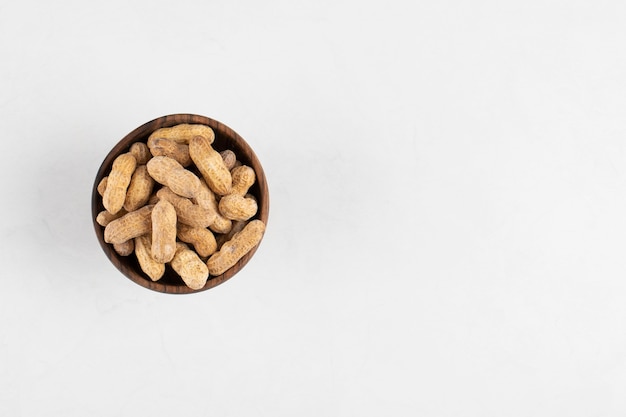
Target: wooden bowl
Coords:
[[225, 138]]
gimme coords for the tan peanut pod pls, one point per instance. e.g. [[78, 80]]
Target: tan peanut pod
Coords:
[[237, 226], [129, 226], [124, 248], [167, 147], [190, 267], [182, 133], [243, 178], [233, 250], [118, 181], [211, 165], [187, 212], [221, 224], [169, 172], [152, 268], [141, 152], [201, 238], [163, 231], [236, 207], [104, 217], [206, 199], [139, 190], [102, 185], [229, 158]]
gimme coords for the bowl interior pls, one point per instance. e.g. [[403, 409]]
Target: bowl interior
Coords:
[[225, 138]]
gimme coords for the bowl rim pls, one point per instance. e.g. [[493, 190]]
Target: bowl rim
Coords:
[[222, 132]]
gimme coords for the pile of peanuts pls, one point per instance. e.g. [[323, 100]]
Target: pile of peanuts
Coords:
[[175, 200]]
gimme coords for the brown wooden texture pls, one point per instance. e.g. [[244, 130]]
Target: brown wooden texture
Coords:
[[225, 138]]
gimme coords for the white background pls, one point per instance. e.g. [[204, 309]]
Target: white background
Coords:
[[447, 218]]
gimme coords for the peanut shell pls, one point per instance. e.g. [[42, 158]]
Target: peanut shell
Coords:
[[190, 267], [163, 231], [104, 217], [243, 178], [211, 165], [102, 185], [124, 248], [118, 181], [236, 207], [141, 152], [129, 226], [235, 249], [167, 147], [182, 133], [152, 268], [169, 172], [201, 238], [229, 158], [139, 190]]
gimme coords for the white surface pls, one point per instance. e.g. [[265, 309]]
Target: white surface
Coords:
[[446, 233]]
